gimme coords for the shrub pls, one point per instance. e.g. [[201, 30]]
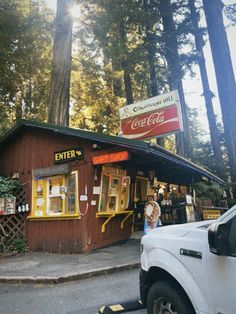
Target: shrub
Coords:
[[8, 187], [208, 191], [18, 245]]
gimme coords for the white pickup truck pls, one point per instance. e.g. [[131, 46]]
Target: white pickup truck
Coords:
[[190, 268]]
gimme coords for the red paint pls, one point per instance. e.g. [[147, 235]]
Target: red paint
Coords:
[[152, 124], [108, 158]]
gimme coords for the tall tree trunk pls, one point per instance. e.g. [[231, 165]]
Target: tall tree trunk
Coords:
[[125, 66], [151, 44], [116, 81], [18, 106], [151, 47], [58, 112], [183, 144], [215, 141], [224, 77], [151, 50], [153, 89]]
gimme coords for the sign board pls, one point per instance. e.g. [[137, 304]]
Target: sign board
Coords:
[[68, 155], [2, 206], [153, 117], [7, 206], [51, 171], [110, 158], [210, 214], [114, 171]]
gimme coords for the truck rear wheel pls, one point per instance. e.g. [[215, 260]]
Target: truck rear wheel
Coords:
[[167, 298]]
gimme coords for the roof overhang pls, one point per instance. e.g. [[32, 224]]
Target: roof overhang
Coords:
[[153, 155]]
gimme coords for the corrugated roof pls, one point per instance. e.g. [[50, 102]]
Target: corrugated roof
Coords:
[[152, 149]]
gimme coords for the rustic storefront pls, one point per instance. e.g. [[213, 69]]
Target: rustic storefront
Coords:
[[86, 189]]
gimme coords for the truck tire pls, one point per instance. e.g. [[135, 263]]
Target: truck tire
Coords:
[[167, 298]]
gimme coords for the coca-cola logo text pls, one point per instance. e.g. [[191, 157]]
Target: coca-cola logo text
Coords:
[[154, 118]]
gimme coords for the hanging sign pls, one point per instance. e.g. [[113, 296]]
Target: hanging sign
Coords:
[[68, 155], [51, 171], [7, 206], [109, 158], [114, 171], [210, 214], [2, 206], [153, 117]]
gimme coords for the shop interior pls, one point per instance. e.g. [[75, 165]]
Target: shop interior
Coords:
[[175, 201], [128, 185], [120, 193]]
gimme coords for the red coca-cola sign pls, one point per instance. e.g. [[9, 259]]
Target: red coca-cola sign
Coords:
[[152, 124], [155, 117]]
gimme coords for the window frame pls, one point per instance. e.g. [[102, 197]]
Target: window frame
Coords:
[[45, 197], [114, 176]]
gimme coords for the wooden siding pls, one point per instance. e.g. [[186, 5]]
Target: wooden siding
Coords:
[[35, 149], [60, 236]]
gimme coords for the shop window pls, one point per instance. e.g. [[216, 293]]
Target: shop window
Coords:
[[55, 196], [71, 185], [125, 192], [114, 190]]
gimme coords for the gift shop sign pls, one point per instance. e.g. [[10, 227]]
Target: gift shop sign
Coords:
[[153, 117], [110, 158]]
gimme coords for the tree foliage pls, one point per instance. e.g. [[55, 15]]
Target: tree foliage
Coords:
[[212, 192], [8, 187], [25, 52], [123, 51], [230, 12]]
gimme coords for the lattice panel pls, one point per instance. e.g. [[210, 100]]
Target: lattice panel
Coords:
[[14, 225], [21, 197]]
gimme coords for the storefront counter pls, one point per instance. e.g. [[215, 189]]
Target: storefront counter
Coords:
[[110, 215]]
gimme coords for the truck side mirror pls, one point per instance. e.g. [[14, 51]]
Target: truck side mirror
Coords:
[[218, 239]]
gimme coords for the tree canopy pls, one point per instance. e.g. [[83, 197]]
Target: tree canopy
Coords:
[[119, 52], [25, 60]]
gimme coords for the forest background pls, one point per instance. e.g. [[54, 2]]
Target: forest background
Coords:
[[80, 66]]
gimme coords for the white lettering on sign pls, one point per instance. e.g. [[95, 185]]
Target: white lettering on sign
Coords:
[[154, 118]]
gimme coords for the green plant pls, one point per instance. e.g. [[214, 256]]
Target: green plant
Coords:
[[208, 191], [18, 245], [8, 186], [231, 202]]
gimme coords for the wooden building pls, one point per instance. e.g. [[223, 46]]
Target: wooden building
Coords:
[[84, 189]]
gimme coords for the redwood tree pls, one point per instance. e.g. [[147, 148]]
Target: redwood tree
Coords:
[[58, 112], [124, 62], [199, 42], [183, 144], [224, 77]]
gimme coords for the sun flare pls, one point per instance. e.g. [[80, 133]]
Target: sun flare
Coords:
[[75, 12]]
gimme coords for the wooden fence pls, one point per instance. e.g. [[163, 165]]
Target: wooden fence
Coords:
[[14, 225]]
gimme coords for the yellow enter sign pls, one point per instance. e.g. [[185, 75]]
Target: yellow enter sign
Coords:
[[67, 155]]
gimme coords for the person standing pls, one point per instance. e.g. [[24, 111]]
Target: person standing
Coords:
[[152, 213]]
